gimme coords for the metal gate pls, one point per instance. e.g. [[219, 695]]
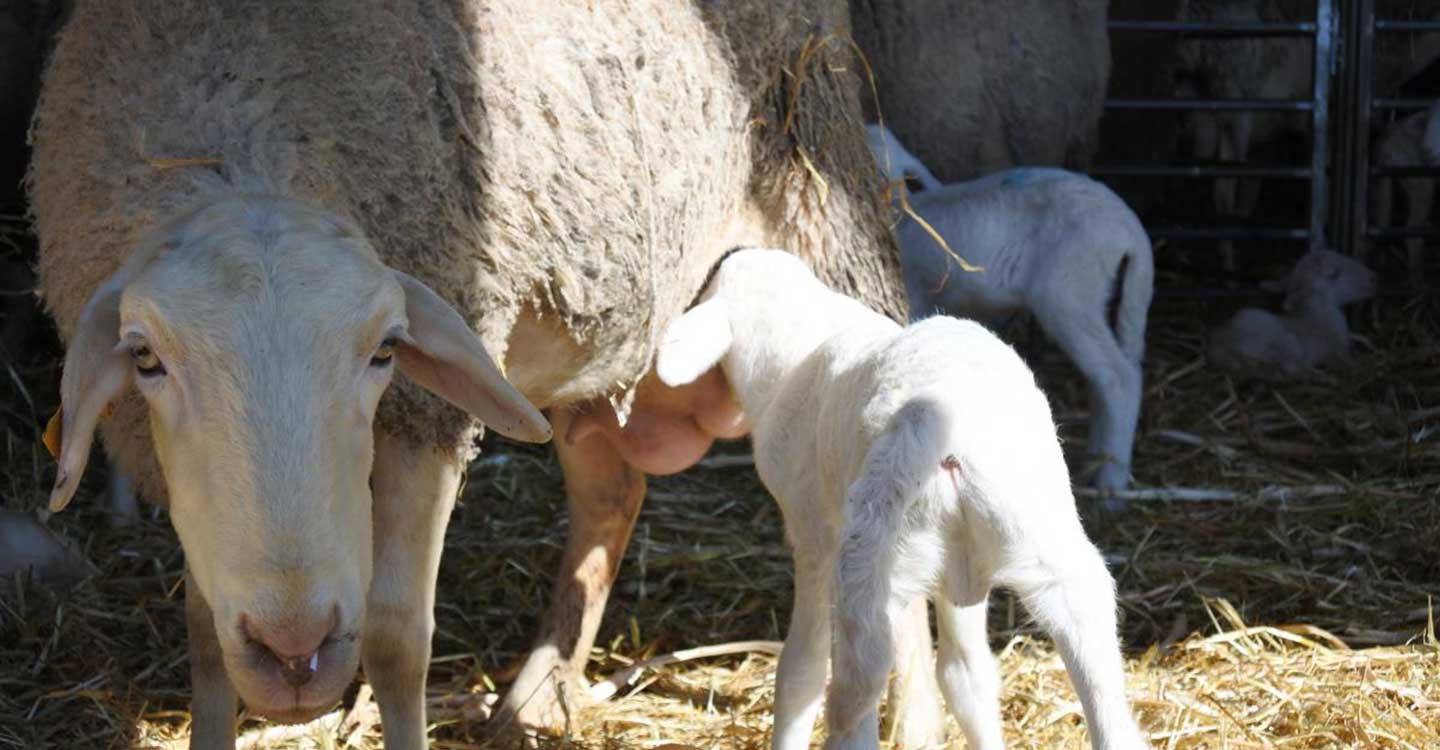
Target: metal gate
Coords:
[[1322, 31], [1339, 171], [1357, 107]]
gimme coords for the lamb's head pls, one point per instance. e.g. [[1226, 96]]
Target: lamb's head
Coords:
[[262, 334], [1329, 275], [887, 151], [895, 161], [763, 311]]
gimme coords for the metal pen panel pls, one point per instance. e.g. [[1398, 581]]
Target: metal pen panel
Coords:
[[1320, 113]]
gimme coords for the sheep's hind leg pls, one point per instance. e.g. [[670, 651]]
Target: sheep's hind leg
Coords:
[[800, 678], [914, 717], [1115, 385], [968, 672], [1072, 596], [212, 704], [603, 495], [414, 491]]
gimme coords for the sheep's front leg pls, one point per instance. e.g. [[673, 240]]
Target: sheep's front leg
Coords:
[[212, 703], [800, 678], [603, 495], [414, 490]]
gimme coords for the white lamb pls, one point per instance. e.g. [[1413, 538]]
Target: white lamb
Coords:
[[1063, 247], [895, 162], [1312, 331], [907, 462]]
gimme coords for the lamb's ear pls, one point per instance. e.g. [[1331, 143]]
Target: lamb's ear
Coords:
[[694, 343], [97, 369], [444, 356]]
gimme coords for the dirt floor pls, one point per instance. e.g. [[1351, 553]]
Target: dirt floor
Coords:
[[1276, 591]]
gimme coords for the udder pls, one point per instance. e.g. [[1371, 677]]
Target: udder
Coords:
[[669, 429]]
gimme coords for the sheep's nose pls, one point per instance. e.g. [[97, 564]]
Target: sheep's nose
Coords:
[[295, 646]]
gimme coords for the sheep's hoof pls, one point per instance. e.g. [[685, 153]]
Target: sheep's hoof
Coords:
[[543, 700]]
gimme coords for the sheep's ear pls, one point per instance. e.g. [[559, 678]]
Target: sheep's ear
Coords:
[[444, 356], [1273, 286], [694, 343], [97, 369]]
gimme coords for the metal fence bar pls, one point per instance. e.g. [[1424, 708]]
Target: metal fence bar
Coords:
[[1288, 105], [1394, 25], [1320, 113], [1362, 59], [1400, 233], [1343, 189], [1426, 171], [1400, 103], [1217, 28], [1203, 170]]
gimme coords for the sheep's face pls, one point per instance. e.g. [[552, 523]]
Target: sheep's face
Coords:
[[262, 335], [262, 342], [1338, 277]]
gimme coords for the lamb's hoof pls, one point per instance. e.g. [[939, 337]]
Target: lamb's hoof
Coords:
[[121, 504], [1110, 480], [543, 699]]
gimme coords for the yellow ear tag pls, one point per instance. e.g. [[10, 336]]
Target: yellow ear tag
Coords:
[[53, 435]]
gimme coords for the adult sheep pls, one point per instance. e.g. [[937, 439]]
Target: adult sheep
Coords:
[[249, 210], [976, 86]]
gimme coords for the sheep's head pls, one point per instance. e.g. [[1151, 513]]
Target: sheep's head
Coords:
[[1328, 274], [262, 334]]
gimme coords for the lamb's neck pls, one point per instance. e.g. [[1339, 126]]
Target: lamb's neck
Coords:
[[767, 348], [1323, 323]]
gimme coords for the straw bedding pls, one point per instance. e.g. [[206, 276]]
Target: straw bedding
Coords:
[[1293, 612]]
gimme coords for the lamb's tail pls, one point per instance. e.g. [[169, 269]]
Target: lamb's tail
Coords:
[[1135, 285], [901, 461]]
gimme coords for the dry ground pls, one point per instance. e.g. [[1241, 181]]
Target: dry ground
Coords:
[[1294, 612]]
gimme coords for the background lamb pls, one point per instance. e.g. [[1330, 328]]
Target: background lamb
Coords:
[[528, 167], [1311, 332], [914, 462], [1062, 247]]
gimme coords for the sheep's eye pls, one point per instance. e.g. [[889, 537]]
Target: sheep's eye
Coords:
[[146, 362], [385, 354]]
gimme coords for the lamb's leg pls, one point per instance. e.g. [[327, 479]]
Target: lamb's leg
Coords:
[[1420, 199], [1382, 203], [120, 502], [1072, 596], [212, 702], [1115, 387], [603, 495], [1224, 191], [800, 678], [968, 672], [414, 491], [914, 716]]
